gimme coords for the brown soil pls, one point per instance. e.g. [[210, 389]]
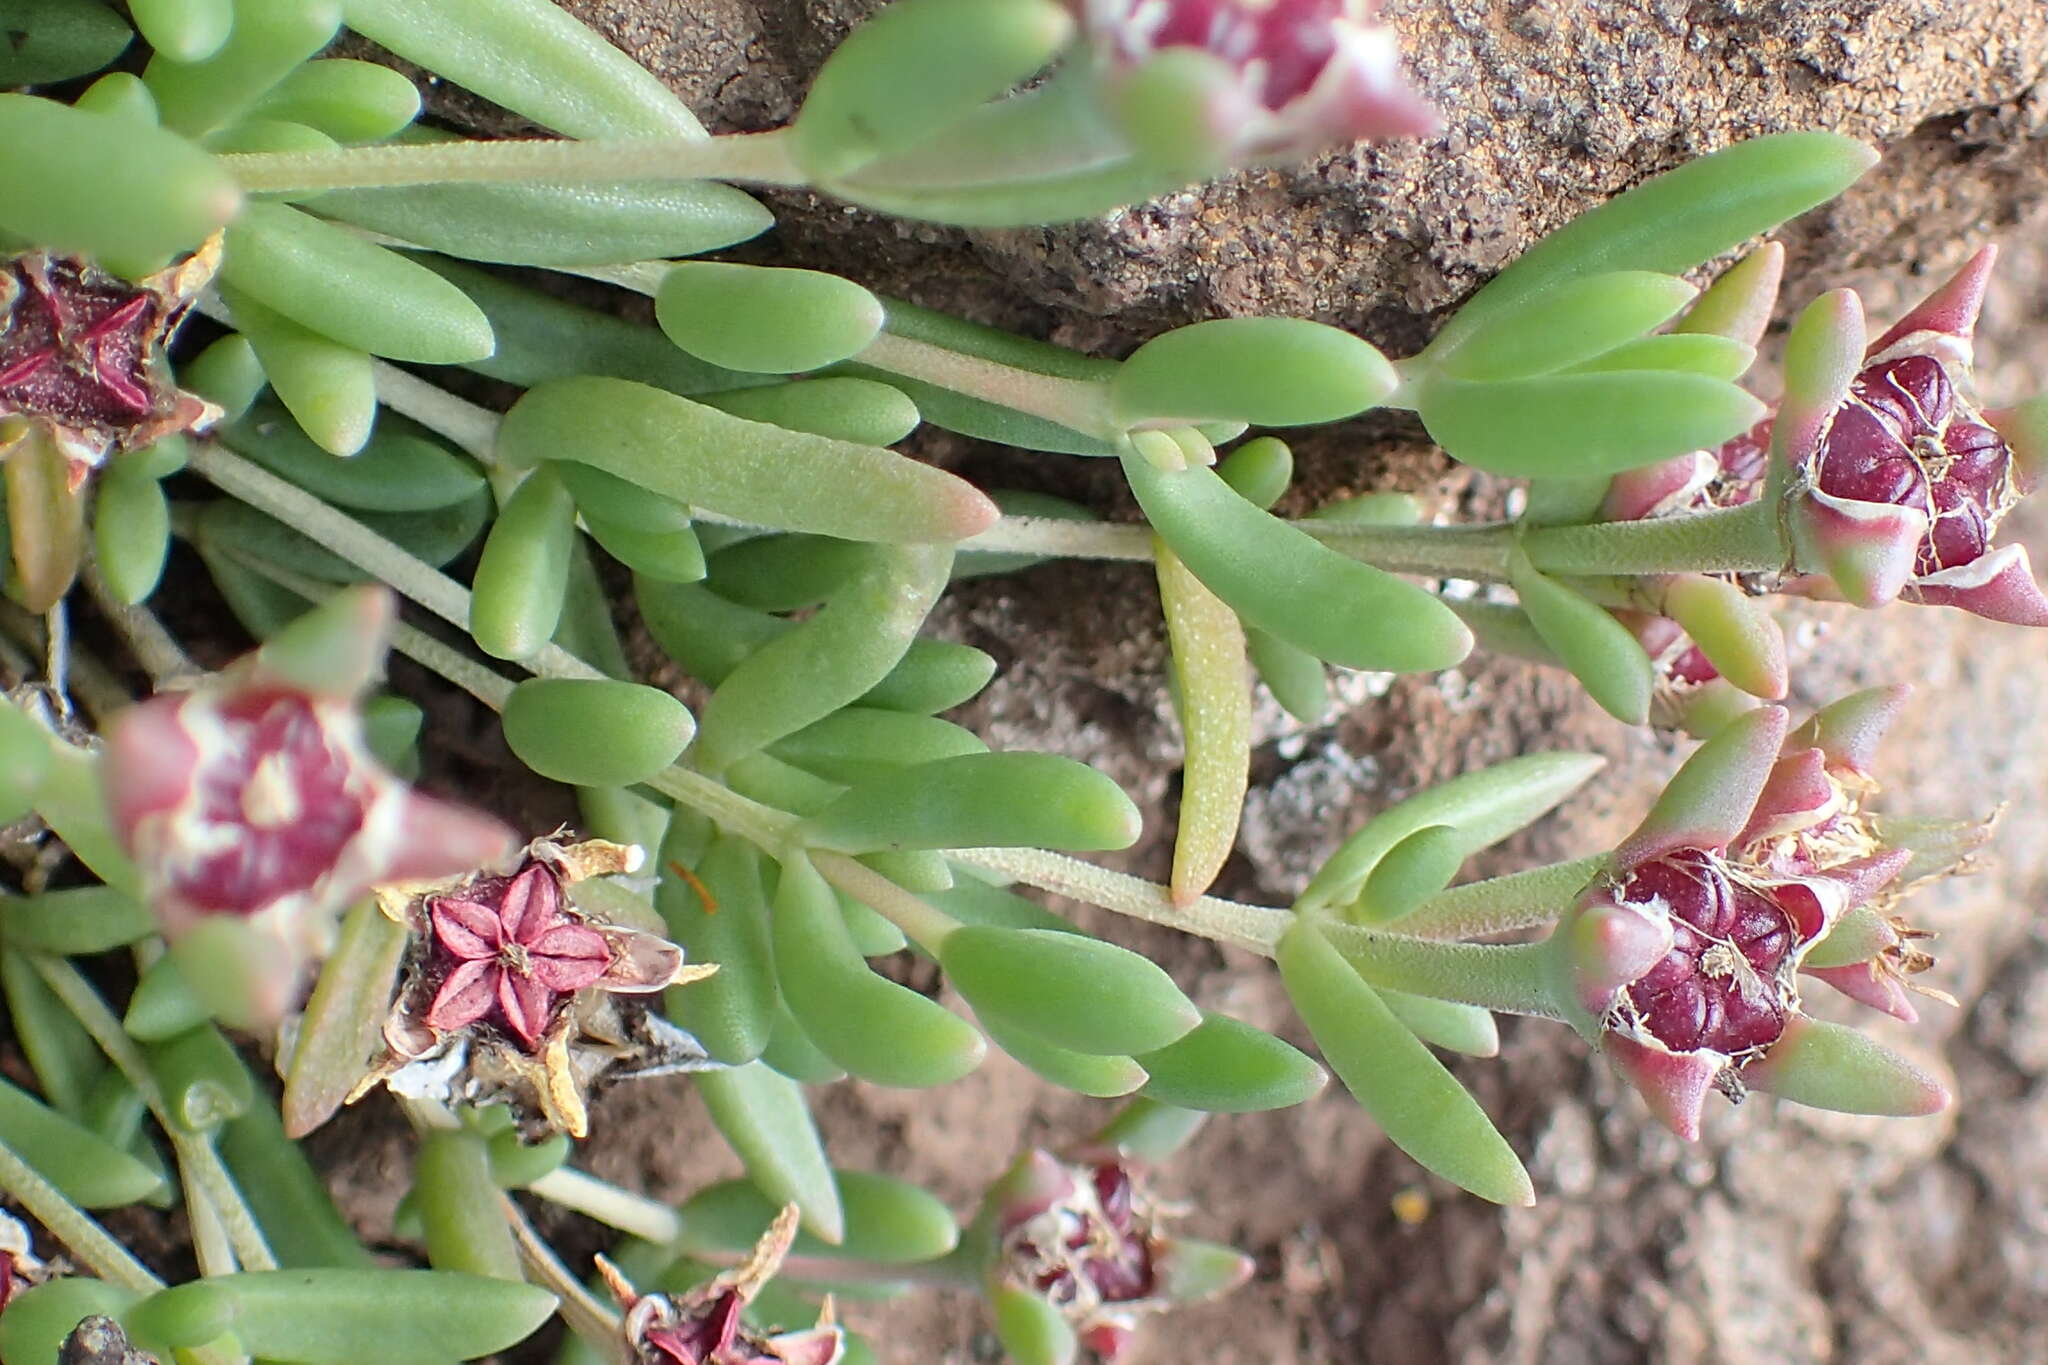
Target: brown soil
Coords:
[[1787, 1235]]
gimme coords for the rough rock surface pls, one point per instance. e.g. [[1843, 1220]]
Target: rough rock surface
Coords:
[[1787, 1236]]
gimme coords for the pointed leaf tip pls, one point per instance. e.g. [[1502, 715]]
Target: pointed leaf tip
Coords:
[[1709, 799], [1828, 1066]]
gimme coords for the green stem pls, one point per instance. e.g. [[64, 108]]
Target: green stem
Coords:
[[920, 920], [205, 1177], [72, 1226], [1079, 404], [1743, 539], [1475, 552], [631, 1213], [585, 1316], [1254, 927], [471, 428], [1500, 905], [756, 158]]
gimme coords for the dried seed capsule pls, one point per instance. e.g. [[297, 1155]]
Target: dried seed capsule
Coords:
[[1408, 1092], [106, 187], [266, 41], [980, 800], [532, 57], [524, 572], [764, 1117], [1073, 991], [844, 408], [328, 387], [767, 319], [732, 1012], [55, 40], [350, 101], [1228, 1067], [916, 68], [1272, 372], [876, 1029], [595, 733], [360, 294], [1283, 581], [749, 471]]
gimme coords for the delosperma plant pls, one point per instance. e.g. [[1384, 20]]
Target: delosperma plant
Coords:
[[218, 255]]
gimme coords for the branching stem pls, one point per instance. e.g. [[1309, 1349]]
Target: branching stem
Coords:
[[755, 158]]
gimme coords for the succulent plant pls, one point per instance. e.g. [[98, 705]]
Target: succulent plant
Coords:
[[250, 838]]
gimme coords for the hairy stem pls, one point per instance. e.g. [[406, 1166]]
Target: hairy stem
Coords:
[[920, 920], [756, 158], [95, 1249]]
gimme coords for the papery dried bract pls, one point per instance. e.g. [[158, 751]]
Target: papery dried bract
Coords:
[[703, 1326]]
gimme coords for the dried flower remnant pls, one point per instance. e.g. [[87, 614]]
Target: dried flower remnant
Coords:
[[516, 993], [1291, 77], [704, 1326], [1084, 1235], [254, 798], [82, 352], [20, 1269]]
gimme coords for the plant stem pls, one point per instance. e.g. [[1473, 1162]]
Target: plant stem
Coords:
[[1474, 552], [473, 429], [160, 655], [920, 920], [756, 158], [608, 1204], [1079, 404], [200, 1165], [1499, 905], [586, 1317], [210, 1243], [72, 1226], [1252, 927], [1743, 539]]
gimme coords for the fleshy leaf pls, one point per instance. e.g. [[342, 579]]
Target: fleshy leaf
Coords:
[[1599, 650]]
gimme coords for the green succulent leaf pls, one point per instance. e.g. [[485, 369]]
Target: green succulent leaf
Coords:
[[265, 44], [1676, 220], [1091, 1074], [532, 57], [1716, 357], [41, 1318], [595, 732], [914, 69], [1582, 425], [1075, 992], [764, 1117], [105, 186], [55, 40], [888, 1221], [1225, 1066], [845, 408], [353, 291], [767, 319], [1599, 650], [328, 387], [85, 1168], [339, 1316], [1032, 1331], [1215, 704], [876, 1029], [1447, 1024], [1281, 580], [1024, 800], [523, 576], [349, 100], [1408, 1092], [750, 471], [732, 1011], [1271, 372], [1487, 806], [1574, 321]]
